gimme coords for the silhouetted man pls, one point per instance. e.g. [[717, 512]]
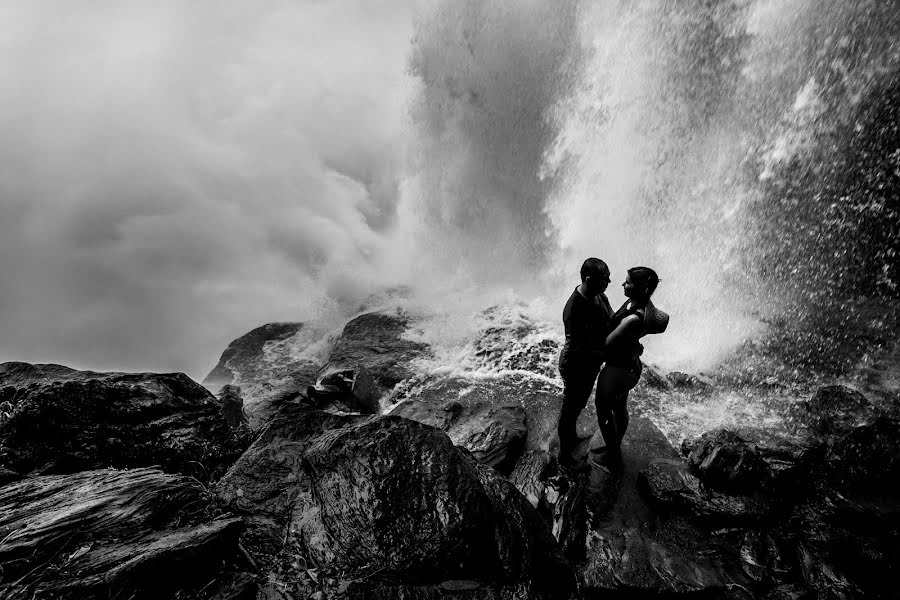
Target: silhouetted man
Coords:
[[587, 318]]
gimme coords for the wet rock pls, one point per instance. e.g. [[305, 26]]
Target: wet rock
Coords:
[[233, 406], [391, 502], [832, 410], [790, 591], [492, 430], [654, 378], [373, 356], [448, 402], [64, 420], [634, 563], [530, 477], [681, 380], [113, 534], [866, 456], [847, 546], [243, 359], [670, 487], [515, 343], [8, 476], [724, 460], [765, 560], [631, 548], [267, 363]]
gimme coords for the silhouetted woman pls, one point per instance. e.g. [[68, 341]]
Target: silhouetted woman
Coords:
[[634, 320]]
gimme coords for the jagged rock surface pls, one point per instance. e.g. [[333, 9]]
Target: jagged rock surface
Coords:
[[388, 506], [372, 356], [490, 420], [265, 365], [630, 548], [140, 534], [62, 420]]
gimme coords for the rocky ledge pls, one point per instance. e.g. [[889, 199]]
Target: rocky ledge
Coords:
[[454, 494]]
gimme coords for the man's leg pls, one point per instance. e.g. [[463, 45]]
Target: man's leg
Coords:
[[577, 384], [613, 385]]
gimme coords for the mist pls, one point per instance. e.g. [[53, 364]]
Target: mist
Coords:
[[174, 174]]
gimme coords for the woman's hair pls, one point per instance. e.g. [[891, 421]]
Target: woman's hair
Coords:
[[645, 280]]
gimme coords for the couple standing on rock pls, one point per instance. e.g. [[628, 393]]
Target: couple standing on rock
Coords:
[[598, 337]]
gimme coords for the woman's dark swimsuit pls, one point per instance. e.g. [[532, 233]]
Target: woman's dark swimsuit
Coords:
[[620, 374]]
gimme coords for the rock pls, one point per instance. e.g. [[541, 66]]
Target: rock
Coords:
[[637, 565], [832, 410], [267, 364], [724, 460], [866, 457], [65, 420], [764, 559], [654, 378], [449, 402], [373, 355], [244, 359], [681, 380], [8, 476], [515, 343], [386, 499], [112, 534], [847, 546], [233, 406], [530, 477], [492, 429], [790, 591], [633, 549], [670, 487]]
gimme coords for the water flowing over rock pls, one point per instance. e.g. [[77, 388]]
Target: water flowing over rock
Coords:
[[63, 420], [117, 534], [265, 364], [370, 358], [388, 507]]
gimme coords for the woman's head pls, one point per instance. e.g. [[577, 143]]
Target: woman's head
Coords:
[[641, 283]]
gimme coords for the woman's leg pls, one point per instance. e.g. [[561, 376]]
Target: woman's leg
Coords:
[[611, 399], [603, 401]]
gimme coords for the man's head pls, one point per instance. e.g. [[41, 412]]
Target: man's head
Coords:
[[595, 276]]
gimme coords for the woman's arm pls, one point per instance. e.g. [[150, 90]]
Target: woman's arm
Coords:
[[628, 323]]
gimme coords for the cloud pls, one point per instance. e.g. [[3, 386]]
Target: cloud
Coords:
[[172, 174]]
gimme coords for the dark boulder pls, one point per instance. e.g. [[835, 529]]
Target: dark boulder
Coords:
[[244, 360], [671, 488], [865, 457], [847, 546], [372, 357], [724, 460], [832, 410], [485, 417], [63, 420], [388, 506], [116, 534], [267, 364], [233, 406]]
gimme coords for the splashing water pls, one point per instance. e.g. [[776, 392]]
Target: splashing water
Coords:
[[642, 133]]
